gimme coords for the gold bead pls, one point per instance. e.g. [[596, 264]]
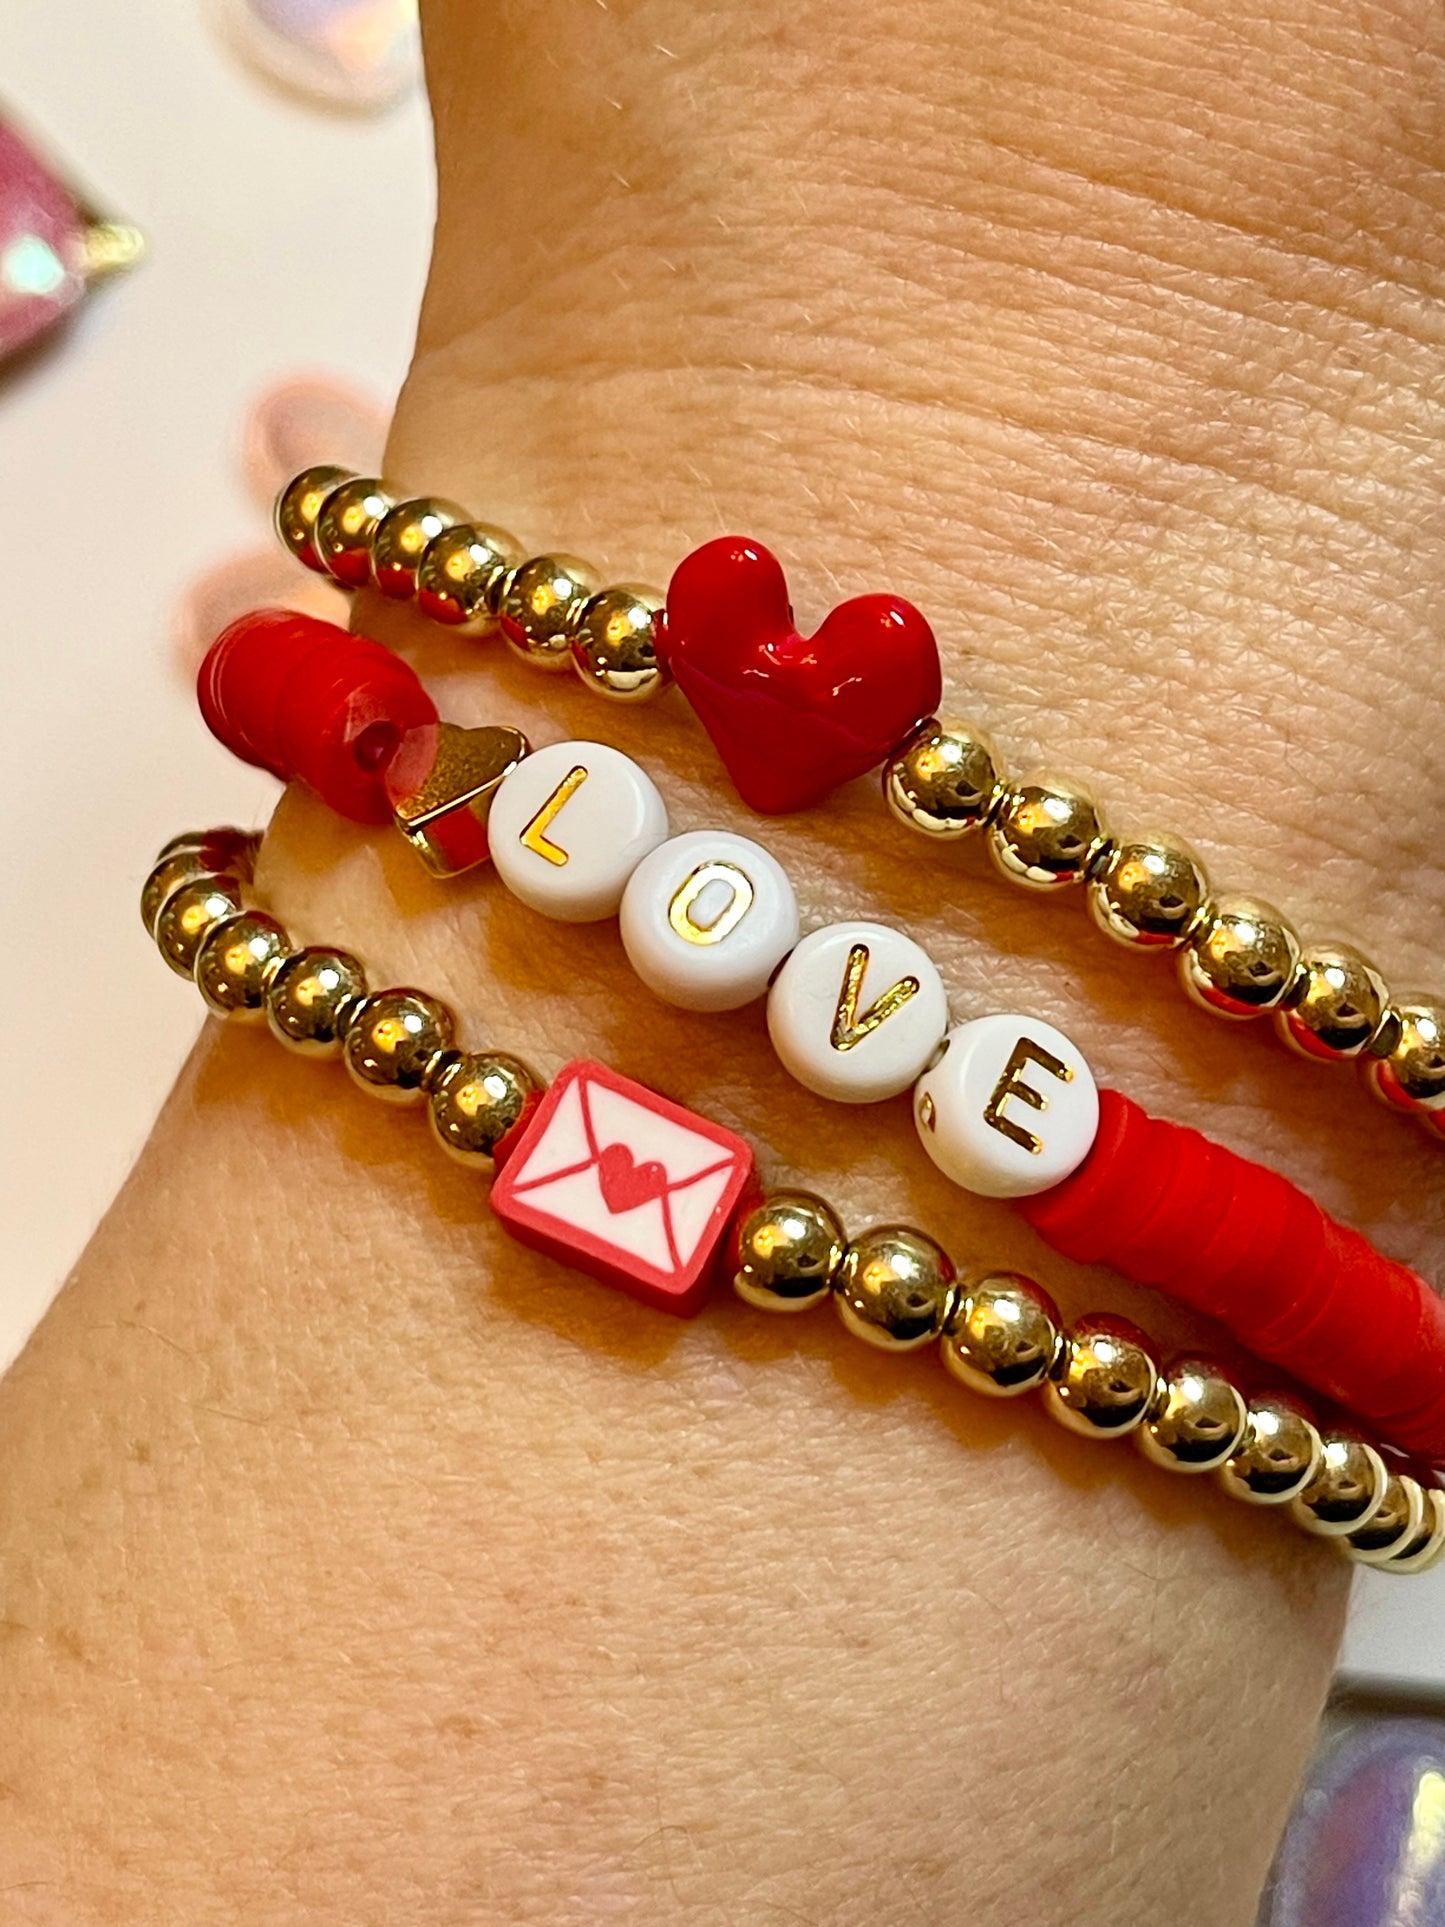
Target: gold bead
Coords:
[[393, 1042], [236, 960], [787, 1252], [614, 645], [1338, 1005], [946, 780], [1003, 1335], [894, 1288], [243, 844], [188, 913], [1150, 892], [1197, 1420], [311, 999], [542, 600], [1279, 1455], [1243, 959], [1346, 1492], [445, 820], [299, 504], [345, 525], [214, 853], [1104, 1379], [1427, 1548], [401, 538], [1412, 1076], [1047, 832], [477, 1101], [461, 574], [1395, 1525]]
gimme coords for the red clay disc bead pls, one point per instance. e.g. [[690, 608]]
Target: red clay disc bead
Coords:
[[1167, 1207]]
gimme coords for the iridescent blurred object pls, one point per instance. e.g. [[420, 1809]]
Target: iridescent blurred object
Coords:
[[360, 54], [51, 248], [1366, 1845]]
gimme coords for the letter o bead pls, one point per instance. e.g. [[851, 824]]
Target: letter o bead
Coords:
[[1009, 1109], [707, 918], [569, 825], [857, 1011]]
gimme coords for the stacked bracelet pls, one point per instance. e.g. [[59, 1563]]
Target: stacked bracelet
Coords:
[[869, 685], [1005, 1105], [609, 1177]]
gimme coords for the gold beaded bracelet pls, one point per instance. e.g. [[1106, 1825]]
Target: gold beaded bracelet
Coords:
[[1239, 956], [893, 1287]]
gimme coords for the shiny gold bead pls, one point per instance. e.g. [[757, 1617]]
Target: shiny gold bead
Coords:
[[236, 960], [345, 525], [945, 780], [1104, 1379], [401, 539], [393, 1041], [188, 913], [1427, 1548], [1279, 1456], [213, 853], [461, 574], [1412, 1077], [1003, 1335], [477, 1101], [244, 844], [787, 1252], [614, 645], [895, 1288], [1197, 1420], [1346, 1492], [1338, 1005], [1395, 1526], [311, 999], [542, 601], [1047, 832], [299, 504], [1150, 892], [1243, 959]]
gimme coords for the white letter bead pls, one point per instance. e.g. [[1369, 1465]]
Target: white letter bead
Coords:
[[570, 824], [857, 1011], [1009, 1109], [707, 918]]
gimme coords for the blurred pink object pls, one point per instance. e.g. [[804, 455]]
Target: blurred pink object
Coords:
[[51, 248], [301, 421], [361, 54], [306, 420]]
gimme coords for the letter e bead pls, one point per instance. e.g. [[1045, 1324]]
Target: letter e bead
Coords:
[[1009, 1109], [707, 918]]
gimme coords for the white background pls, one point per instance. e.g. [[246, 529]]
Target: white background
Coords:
[[283, 239]]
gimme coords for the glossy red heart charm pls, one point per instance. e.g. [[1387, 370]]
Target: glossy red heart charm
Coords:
[[624, 1182], [793, 716]]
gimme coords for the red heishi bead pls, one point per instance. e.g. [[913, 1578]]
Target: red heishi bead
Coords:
[[616, 1181]]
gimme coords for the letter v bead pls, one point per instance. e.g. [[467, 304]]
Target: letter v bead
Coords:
[[848, 1027], [838, 1038]]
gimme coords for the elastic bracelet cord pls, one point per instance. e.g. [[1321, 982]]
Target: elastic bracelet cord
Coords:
[[870, 684], [1005, 1105], [613, 1179]]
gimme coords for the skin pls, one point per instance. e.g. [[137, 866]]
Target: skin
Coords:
[[361, 1566]]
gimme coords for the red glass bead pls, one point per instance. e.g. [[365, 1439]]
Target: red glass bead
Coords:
[[793, 716], [616, 1181]]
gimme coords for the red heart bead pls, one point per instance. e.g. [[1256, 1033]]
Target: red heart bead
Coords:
[[624, 1182], [793, 716]]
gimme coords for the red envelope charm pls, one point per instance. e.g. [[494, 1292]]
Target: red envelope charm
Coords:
[[619, 1182]]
